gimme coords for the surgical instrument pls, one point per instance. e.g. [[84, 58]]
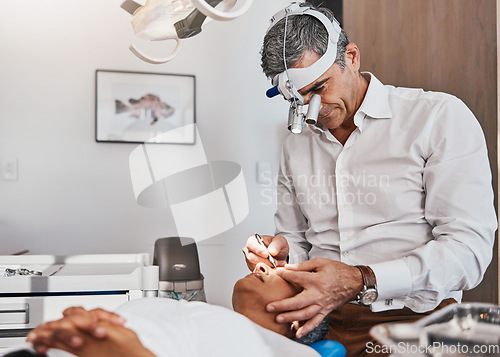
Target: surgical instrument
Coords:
[[261, 241]]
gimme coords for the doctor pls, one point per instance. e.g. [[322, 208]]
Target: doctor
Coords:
[[385, 205]]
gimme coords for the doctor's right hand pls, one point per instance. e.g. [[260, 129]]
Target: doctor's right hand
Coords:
[[277, 247]]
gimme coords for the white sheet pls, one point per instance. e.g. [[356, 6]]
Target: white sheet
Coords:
[[171, 328]]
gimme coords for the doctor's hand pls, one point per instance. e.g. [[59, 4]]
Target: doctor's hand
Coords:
[[327, 285], [255, 253], [64, 331]]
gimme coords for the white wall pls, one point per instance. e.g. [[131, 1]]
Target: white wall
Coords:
[[74, 195]]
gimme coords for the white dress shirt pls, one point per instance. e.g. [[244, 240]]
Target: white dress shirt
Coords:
[[409, 194]]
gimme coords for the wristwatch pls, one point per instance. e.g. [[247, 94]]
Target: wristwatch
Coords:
[[369, 294]]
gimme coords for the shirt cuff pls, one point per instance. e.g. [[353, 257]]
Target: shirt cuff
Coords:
[[393, 279], [297, 255]]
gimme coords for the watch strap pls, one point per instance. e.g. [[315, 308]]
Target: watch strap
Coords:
[[369, 279]]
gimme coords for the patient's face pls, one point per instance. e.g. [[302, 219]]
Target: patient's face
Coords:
[[252, 293]]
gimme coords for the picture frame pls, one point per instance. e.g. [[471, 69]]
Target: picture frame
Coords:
[[144, 107]]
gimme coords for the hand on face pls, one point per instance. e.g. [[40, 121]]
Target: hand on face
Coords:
[[256, 290], [68, 331], [326, 284], [252, 293], [255, 253]]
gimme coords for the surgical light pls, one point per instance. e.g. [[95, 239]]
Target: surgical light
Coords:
[[295, 119], [160, 20], [289, 82]]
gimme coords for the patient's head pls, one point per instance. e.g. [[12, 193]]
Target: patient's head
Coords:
[[252, 293]]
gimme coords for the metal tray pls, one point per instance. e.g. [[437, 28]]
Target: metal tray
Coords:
[[471, 329]]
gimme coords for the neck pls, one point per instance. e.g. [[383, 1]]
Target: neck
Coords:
[[343, 132], [268, 321]]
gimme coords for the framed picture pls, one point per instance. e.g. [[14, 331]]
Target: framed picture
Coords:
[[139, 107]]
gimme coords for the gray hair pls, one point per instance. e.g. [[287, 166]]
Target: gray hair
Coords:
[[304, 33]]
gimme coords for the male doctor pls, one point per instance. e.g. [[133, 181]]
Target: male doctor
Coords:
[[385, 204]]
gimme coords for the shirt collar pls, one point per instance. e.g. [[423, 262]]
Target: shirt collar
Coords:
[[375, 105]]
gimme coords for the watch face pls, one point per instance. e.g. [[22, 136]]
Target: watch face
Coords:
[[369, 297]]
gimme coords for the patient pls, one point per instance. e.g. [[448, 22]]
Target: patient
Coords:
[[163, 327]]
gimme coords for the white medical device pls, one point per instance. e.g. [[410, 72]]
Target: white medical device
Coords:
[[46, 284], [37, 288], [160, 20], [289, 82]]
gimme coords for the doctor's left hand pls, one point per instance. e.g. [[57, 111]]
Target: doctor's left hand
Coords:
[[75, 319], [327, 285]]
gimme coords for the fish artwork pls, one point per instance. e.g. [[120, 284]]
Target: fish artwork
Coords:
[[149, 107]]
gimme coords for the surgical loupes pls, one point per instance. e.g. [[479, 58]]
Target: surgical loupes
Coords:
[[291, 80], [313, 110], [296, 115]]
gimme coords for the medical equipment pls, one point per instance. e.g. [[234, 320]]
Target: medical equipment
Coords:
[[289, 82], [58, 282], [180, 276], [160, 20], [37, 288], [467, 329], [19, 271], [261, 241]]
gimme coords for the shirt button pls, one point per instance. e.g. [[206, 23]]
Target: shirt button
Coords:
[[346, 253]]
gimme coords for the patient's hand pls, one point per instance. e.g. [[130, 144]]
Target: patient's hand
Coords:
[[120, 341], [88, 320], [67, 331]]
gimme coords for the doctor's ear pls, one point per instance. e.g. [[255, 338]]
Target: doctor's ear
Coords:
[[352, 55]]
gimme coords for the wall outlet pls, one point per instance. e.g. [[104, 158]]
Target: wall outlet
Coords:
[[9, 169]]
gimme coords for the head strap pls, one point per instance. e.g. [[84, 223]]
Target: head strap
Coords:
[[292, 80]]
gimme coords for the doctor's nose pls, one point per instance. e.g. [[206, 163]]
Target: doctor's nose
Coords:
[[262, 268]]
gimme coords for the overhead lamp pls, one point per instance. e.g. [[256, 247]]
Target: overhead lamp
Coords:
[[161, 20]]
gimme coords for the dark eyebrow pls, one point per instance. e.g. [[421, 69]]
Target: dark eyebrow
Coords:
[[316, 86]]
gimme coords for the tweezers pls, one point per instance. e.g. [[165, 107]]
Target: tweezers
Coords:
[[261, 241]]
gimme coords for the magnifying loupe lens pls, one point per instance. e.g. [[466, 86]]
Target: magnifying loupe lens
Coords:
[[313, 110]]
